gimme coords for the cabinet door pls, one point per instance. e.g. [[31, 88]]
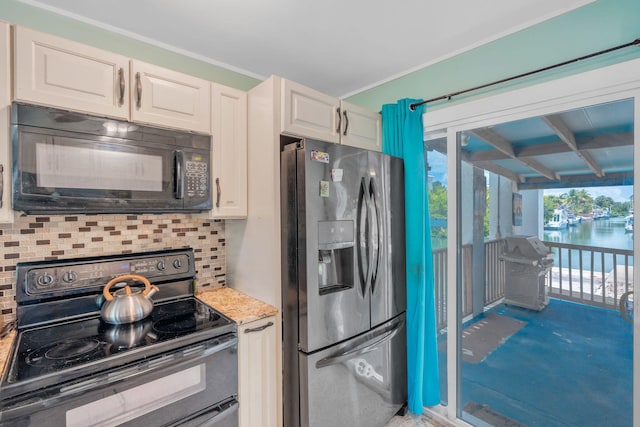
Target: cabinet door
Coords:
[[229, 152], [170, 99], [6, 214], [360, 127], [257, 370], [62, 73], [309, 113]]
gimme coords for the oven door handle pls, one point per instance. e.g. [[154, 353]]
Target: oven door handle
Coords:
[[176, 358]]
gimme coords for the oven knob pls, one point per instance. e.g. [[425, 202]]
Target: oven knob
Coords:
[[45, 281], [177, 263], [70, 276], [161, 265]]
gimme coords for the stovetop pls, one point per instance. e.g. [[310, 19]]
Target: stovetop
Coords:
[[70, 344], [62, 337]]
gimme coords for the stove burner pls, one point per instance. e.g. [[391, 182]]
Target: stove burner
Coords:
[[175, 307], [176, 324], [63, 352], [71, 349], [45, 336]]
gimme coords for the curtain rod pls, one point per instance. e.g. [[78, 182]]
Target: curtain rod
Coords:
[[529, 73]]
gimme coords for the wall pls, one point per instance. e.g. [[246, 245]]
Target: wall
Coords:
[[15, 12], [36, 238], [596, 26]]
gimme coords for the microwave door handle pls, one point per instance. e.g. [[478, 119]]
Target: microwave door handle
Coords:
[[179, 174]]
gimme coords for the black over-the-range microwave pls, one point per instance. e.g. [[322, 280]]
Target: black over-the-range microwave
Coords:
[[66, 162]]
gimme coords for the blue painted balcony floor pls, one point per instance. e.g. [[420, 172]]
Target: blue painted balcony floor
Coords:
[[570, 365]]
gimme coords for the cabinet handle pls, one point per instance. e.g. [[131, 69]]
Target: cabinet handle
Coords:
[[346, 122], [122, 87], [259, 328], [138, 90], [339, 121], [218, 192]]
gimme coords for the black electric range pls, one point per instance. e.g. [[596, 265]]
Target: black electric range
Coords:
[[62, 339]]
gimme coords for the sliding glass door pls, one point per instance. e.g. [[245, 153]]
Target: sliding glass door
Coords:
[[540, 245], [544, 272]]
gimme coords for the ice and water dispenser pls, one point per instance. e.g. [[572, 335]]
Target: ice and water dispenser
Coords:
[[335, 255]]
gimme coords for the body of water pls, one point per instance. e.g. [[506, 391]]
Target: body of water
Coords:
[[604, 233]]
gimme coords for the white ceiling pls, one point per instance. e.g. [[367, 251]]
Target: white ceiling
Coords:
[[339, 47]]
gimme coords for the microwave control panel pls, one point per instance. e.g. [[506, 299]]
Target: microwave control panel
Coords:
[[196, 179]]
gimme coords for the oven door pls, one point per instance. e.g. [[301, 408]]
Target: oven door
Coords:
[[61, 171], [194, 386]]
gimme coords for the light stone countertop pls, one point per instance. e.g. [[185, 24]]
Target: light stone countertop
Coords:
[[239, 307]]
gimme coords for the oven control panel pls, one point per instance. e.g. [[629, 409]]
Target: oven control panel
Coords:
[[75, 276]]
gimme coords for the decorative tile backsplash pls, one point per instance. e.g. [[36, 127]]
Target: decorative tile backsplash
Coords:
[[37, 238]]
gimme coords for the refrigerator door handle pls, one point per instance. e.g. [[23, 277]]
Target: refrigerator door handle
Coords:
[[376, 233], [376, 341], [362, 231]]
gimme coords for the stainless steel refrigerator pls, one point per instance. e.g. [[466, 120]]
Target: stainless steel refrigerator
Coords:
[[344, 296]]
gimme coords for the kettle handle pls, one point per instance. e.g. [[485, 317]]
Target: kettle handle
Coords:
[[147, 285]]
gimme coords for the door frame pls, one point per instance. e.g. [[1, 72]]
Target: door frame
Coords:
[[606, 84]]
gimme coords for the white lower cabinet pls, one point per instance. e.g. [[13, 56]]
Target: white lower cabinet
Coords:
[[257, 373]]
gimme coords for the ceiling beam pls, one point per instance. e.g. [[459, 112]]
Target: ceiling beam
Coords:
[[558, 147], [501, 144], [495, 140], [565, 134], [570, 181], [499, 170]]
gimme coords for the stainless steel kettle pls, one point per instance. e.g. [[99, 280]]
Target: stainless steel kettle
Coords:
[[127, 305]]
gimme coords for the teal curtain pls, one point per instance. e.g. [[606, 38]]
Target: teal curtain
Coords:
[[402, 137]]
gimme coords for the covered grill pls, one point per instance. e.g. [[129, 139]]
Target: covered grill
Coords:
[[527, 262]]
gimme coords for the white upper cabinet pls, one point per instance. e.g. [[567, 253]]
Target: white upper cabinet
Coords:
[[5, 66], [56, 72], [312, 114], [307, 112], [6, 214], [229, 152], [360, 127], [170, 99]]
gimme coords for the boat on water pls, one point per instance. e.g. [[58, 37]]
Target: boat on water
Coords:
[[628, 224], [559, 220], [601, 213], [573, 219], [586, 217]]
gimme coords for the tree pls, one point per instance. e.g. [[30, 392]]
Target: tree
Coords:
[[603, 202], [579, 201], [438, 200], [551, 202]]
